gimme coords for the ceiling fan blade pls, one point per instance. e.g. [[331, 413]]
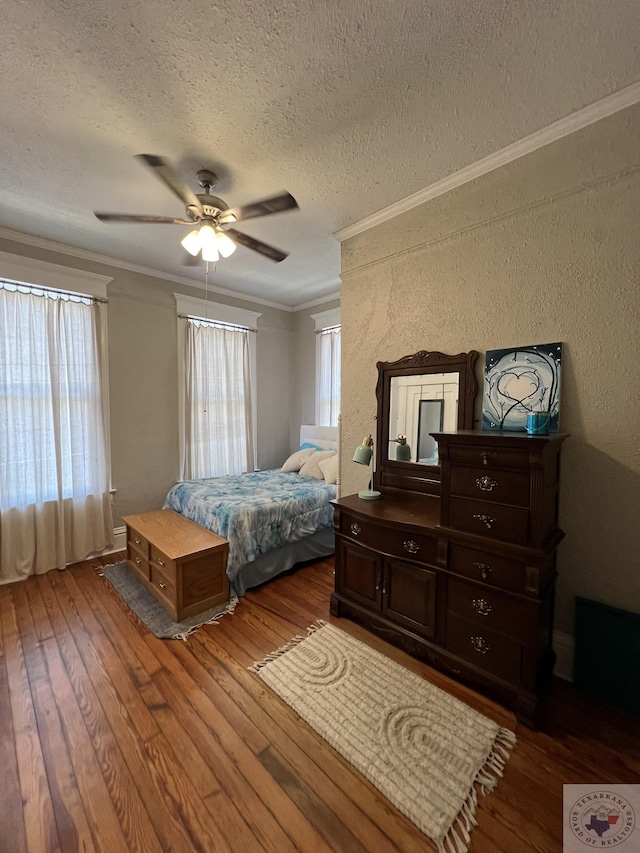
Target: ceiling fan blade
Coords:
[[167, 175], [131, 217], [257, 246], [277, 204]]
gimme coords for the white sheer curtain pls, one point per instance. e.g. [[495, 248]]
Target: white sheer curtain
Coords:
[[54, 460], [218, 419], [328, 395]]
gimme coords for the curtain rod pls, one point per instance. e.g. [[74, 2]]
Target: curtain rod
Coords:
[[58, 290], [216, 323], [329, 330]]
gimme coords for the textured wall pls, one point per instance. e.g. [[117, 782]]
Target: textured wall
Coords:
[[541, 250]]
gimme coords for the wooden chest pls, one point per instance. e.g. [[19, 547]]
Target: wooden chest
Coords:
[[181, 563]]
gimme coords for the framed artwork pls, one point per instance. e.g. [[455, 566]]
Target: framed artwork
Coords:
[[518, 381]]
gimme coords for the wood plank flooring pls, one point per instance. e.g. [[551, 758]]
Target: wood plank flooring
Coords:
[[115, 741]]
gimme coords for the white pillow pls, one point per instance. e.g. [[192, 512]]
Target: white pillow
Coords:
[[311, 466], [297, 460], [329, 468]]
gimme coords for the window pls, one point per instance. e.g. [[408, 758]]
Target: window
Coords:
[[327, 367], [217, 395], [54, 453]]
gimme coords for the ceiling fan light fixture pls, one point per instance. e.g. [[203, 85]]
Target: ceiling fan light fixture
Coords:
[[192, 242], [208, 243], [225, 244]]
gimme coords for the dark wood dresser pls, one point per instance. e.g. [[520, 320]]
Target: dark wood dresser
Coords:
[[464, 579]]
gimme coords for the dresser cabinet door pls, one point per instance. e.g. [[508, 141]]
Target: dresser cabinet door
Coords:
[[409, 596], [359, 575]]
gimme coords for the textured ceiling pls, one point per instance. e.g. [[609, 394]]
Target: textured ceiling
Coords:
[[349, 106]]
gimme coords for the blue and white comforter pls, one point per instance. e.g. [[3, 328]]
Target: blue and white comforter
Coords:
[[257, 511]]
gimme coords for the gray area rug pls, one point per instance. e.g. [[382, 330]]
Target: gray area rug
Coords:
[[152, 613], [426, 751]]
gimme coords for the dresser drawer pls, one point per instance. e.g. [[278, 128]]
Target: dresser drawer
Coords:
[[138, 542], [164, 583], [166, 565], [507, 487], [487, 608], [485, 648], [138, 563], [495, 521], [488, 457], [482, 566], [390, 540]]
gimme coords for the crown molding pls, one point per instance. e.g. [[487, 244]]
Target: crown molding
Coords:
[[620, 100], [95, 257], [321, 300]]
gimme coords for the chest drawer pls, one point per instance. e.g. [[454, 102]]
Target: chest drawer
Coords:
[[507, 487], [488, 458], [495, 521], [484, 648], [390, 540], [167, 566], [487, 608], [483, 566], [138, 542], [164, 583]]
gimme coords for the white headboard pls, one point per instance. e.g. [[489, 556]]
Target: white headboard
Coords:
[[324, 436]]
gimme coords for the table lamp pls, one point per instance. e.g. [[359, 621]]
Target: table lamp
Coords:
[[403, 451], [363, 456]]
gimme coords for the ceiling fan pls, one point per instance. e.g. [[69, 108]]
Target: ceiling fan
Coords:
[[210, 213]]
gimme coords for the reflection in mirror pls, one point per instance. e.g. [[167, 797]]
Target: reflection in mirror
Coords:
[[420, 404], [401, 386], [430, 419]]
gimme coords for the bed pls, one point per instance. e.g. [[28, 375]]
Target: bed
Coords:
[[273, 520]]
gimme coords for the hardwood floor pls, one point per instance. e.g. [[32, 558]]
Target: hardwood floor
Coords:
[[115, 741]]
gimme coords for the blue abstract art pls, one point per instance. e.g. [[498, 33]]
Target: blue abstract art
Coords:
[[518, 381]]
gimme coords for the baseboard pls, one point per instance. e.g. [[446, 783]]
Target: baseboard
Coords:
[[119, 542], [563, 646]]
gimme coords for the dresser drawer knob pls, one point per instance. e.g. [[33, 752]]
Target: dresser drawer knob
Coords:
[[480, 645], [138, 561], [486, 484], [160, 561], [486, 455], [481, 606], [356, 529], [137, 541], [489, 520], [411, 546], [162, 585], [485, 570]]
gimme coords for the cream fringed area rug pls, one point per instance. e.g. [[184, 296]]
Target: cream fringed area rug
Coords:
[[426, 751]]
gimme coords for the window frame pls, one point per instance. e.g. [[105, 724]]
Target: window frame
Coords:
[[213, 312], [33, 273], [323, 320]]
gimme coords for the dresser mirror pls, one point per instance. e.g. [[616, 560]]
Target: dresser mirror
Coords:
[[417, 395]]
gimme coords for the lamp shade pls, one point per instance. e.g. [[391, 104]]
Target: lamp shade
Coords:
[[192, 242], [403, 451], [225, 244], [363, 455]]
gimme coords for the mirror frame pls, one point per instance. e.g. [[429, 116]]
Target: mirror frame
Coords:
[[415, 476]]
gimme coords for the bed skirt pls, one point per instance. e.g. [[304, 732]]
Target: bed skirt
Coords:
[[273, 563]]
